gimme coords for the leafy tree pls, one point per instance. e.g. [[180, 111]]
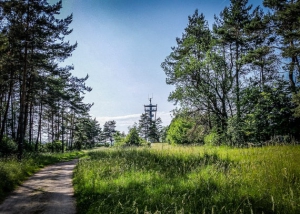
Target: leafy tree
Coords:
[[227, 81], [119, 138], [197, 67], [270, 113], [178, 131], [164, 132]]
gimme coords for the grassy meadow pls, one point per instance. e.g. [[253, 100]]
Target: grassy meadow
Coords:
[[166, 179], [13, 172]]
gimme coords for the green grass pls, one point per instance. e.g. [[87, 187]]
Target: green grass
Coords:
[[13, 172], [167, 179]]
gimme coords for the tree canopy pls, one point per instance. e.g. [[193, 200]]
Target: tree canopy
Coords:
[[237, 79]]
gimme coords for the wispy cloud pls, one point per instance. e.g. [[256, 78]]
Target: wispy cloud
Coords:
[[124, 121], [124, 117], [223, 2]]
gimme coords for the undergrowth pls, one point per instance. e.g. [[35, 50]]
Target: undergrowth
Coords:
[[189, 180]]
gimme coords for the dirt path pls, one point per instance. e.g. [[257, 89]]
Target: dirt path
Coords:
[[49, 191]]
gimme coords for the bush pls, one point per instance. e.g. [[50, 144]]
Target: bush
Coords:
[[178, 131], [8, 146], [54, 146], [212, 139], [133, 137], [234, 132], [29, 146]]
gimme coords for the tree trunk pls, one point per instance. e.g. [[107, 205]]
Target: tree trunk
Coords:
[[13, 119], [62, 131], [39, 127], [30, 123], [237, 71], [7, 105], [23, 94], [52, 129]]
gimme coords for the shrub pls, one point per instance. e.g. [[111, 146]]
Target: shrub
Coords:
[[212, 139], [234, 132], [178, 131], [8, 146], [29, 146], [133, 138], [54, 146]]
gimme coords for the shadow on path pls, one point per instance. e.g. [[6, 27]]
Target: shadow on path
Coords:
[[48, 191]]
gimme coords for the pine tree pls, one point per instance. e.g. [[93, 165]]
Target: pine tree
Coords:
[[109, 130], [143, 126], [36, 43], [197, 67], [155, 129], [230, 29], [261, 57], [286, 25]]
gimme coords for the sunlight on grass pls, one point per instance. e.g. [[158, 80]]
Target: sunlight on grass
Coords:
[[167, 179]]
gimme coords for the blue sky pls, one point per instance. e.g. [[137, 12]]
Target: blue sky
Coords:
[[121, 44]]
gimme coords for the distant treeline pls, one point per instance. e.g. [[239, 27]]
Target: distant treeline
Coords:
[[237, 82]]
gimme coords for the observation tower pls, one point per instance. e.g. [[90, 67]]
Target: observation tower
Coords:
[[151, 110]]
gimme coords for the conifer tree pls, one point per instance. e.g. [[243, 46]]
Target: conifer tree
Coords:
[[197, 67], [109, 130], [230, 29], [155, 129], [143, 126], [37, 43], [286, 25]]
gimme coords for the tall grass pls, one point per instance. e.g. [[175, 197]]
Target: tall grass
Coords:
[[189, 180], [13, 172]]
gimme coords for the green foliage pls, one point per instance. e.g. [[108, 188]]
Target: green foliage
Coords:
[[87, 133], [54, 146], [8, 146], [189, 180], [269, 113], [234, 132], [155, 128], [150, 129], [178, 131], [143, 125], [285, 24], [198, 71], [33, 43], [296, 100], [231, 77], [109, 130], [119, 139], [133, 138], [164, 132], [212, 139], [29, 146]]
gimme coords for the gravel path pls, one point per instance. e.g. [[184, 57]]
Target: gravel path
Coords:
[[48, 191]]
